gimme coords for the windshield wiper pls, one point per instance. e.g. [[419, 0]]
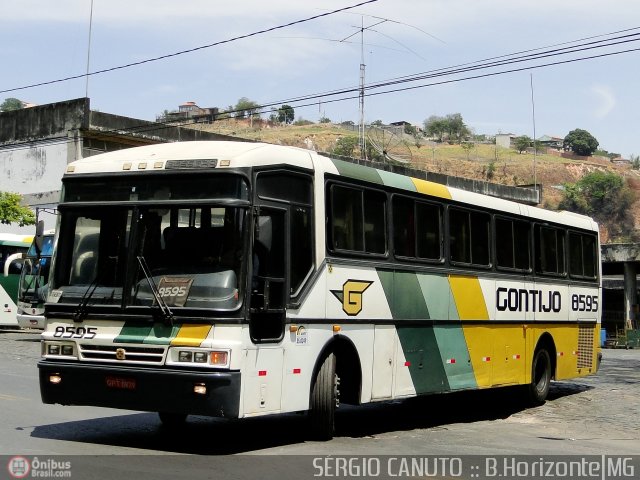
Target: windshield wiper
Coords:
[[82, 309], [165, 311]]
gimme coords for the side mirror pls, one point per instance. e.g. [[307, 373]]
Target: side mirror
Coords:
[[12, 258], [39, 240]]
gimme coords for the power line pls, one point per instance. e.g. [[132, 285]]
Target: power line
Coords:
[[190, 50], [312, 98]]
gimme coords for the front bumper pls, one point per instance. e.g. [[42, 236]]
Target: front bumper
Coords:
[[136, 388]]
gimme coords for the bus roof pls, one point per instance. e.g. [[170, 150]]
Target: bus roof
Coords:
[[15, 240], [226, 154]]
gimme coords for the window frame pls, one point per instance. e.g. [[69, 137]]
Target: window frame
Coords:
[[500, 217], [490, 235], [537, 243], [330, 214], [582, 236], [440, 207]]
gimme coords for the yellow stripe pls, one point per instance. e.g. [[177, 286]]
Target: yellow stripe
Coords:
[[430, 188], [468, 297], [191, 335]]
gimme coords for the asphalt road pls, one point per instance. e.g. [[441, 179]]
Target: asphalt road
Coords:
[[597, 415]]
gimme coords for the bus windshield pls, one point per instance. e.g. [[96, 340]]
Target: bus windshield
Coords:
[[194, 255], [35, 272]]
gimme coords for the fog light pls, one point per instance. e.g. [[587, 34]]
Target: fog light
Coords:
[[55, 378], [184, 356], [200, 389], [218, 358], [53, 349], [200, 357], [67, 350]]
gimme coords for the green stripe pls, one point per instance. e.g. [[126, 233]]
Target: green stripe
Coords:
[[425, 362], [437, 294], [404, 295], [162, 334], [359, 172], [133, 333], [452, 344], [397, 181]]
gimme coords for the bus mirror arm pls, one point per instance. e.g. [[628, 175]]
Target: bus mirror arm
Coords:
[[11, 259], [39, 238]]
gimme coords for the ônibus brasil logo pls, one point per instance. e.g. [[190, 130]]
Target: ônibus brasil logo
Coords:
[[19, 467]]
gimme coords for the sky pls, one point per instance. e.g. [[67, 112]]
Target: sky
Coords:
[[43, 41]]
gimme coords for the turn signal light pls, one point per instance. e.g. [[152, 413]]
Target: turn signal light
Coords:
[[218, 358]]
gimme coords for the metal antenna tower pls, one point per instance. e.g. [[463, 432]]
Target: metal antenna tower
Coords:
[[361, 130]]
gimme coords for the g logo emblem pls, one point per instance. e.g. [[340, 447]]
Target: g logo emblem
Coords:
[[351, 296], [121, 354]]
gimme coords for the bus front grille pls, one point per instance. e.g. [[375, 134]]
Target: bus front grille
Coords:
[[122, 353]]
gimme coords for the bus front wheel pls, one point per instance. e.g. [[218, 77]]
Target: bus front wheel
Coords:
[[538, 389], [324, 400]]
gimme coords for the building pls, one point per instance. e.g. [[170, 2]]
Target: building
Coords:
[[37, 143]]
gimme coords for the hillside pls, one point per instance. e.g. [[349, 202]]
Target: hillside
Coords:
[[509, 167]]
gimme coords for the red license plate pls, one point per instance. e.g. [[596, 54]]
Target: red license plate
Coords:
[[121, 383]]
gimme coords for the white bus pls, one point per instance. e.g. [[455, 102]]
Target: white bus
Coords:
[[33, 285], [243, 279], [12, 249]]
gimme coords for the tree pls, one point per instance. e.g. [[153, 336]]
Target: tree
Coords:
[[12, 212], [605, 197], [435, 127], [286, 114], [346, 146], [246, 108], [467, 147], [324, 120], [451, 127], [377, 123], [522, 143], [580, 142], [10, 104]]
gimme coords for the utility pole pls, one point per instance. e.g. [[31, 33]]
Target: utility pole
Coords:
[[363, 141]]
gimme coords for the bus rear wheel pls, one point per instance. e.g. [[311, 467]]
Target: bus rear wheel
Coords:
[[538, 389], [324, 400]]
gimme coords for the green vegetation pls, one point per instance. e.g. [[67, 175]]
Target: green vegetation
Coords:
[[605, 197], [10, 104], [450, 128], [522, 143], [286, 114], [346, 146], [12, 212], [246, 108], [581, 142]]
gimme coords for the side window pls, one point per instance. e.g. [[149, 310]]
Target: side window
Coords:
[[301, 247], [297, 191], [550, 248], [469, 237], [512, 244], [582, 256], [417, 229], [358, 220]]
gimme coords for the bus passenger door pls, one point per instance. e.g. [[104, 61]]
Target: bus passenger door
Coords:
[[268, 282]]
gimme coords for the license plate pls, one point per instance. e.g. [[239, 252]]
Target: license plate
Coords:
[[121, 383]]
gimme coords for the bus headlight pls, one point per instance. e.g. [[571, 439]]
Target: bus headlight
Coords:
[[59, 349], [198, 357]]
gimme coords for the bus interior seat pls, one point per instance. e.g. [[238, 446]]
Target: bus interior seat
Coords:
[[86, 255]]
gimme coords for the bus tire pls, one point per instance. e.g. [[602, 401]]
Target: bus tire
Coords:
[[172, 420], [538, 389], [324, 399]]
